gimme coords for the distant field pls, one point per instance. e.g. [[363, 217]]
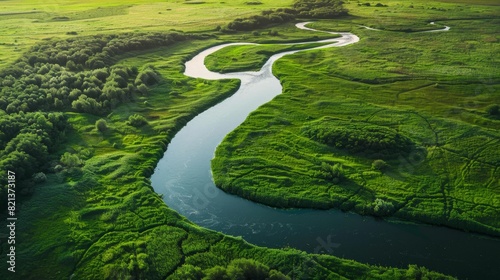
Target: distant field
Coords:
[[473, 2], [416, 15], [27, 22]]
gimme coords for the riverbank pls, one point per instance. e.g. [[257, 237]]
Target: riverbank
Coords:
[[104, 218], [378, 88], [182, 177]]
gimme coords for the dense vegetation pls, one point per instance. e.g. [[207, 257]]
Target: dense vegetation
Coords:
[[26, 142], [310, 9], [73, 75], [60, 74], [405, 130], [359, 138]]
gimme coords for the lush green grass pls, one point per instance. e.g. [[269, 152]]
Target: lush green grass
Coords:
[[248, 57], [432, 88], [26, 22], [104, 221], [416, 15]]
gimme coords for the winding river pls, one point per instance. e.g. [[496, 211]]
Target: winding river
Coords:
[[184, 178]]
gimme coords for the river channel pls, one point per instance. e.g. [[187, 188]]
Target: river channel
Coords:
[[184, 178]]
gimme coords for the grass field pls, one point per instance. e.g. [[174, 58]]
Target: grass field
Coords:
[[101, 219], [248, 58], [33, 20], [105, 220], [434, 88]]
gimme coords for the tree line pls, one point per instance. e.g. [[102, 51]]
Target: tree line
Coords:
[[308, 9], [57, 76], [79, 75], [26, 141]]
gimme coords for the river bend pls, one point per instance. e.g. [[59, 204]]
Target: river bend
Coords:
[[184, 178]]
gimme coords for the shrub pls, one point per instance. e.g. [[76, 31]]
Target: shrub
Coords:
[[39, 177], [273, 33], [101, 125], [333, 173], [382, 207], [137, 120], [493, 110], [71, 160], [58, 168], [143, 89], [380, 165]]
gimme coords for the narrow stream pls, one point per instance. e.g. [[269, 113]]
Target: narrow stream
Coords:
[[184, 177]]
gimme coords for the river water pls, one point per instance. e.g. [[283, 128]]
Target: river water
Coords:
[[184, 178]]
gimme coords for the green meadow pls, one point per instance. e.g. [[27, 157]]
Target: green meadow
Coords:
[[400, 124], [248, 57], [97, 217], [92, 92], [24, 24]]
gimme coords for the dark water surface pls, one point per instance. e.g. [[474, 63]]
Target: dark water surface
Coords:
[[183, 176]]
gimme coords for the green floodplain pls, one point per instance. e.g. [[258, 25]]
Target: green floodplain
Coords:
[[402, 124]]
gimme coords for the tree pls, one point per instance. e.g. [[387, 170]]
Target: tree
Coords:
[[247, 269], [101, 125], [71, 160], [188, 271], [216, 273], [382, 207], [137, 120], [71, 65], [379, 165], [493, 110], [39, 177], [333, 173], [143, 89], [277, 275]]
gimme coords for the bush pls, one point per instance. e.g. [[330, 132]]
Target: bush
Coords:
[[71, 160], [380, 165], [58, 168], [273, 33], [101, 125], [493, 110], [143, 89], [333, 173], [39, 177], [382, 207], [137, 120]]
